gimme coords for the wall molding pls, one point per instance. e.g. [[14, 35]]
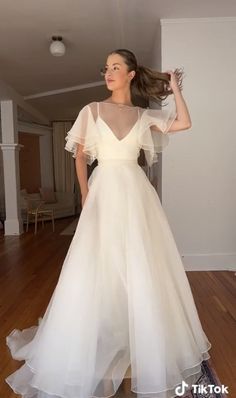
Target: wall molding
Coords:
[[196, 20]]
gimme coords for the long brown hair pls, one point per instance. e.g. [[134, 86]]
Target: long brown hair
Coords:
[[148, 83]]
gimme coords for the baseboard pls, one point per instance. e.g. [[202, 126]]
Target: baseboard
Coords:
[[209, 262]]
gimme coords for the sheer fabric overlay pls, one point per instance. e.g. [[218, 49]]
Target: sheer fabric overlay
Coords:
[[122, 298], [122, 120]]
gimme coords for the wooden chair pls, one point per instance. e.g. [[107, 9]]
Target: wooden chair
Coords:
[[37, 211]]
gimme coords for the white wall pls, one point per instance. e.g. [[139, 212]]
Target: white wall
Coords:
[[198, 166]]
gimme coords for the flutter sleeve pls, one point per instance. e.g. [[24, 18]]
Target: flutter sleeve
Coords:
[[84, 132], [153, 141]]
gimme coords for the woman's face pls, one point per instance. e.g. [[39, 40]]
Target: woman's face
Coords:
[[116, 73]]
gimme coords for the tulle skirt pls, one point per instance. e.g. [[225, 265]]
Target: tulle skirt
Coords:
[[122, 302]]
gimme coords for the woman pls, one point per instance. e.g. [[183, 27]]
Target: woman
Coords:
[[122, 302]]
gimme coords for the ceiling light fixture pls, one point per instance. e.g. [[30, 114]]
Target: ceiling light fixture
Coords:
[[57, 47]]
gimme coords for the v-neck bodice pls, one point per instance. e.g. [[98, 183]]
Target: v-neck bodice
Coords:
[[123, 138], [110, 146]]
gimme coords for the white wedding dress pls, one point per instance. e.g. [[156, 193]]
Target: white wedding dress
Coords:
[[122, 301]]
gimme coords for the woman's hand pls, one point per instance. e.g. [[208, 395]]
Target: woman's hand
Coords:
[[173, 83]]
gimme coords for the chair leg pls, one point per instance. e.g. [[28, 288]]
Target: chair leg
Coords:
[[35, 223], [27, 223], [53, 224]]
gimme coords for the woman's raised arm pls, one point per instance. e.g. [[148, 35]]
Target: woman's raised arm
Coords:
[[183, 120]]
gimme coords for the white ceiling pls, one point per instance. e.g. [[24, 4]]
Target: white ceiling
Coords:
[[90, 30]]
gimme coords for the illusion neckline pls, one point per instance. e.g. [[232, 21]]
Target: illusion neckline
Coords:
[[113, 134], [121, 105]]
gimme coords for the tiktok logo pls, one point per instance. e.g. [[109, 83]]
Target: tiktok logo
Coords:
[[200, 389], [179, 391]]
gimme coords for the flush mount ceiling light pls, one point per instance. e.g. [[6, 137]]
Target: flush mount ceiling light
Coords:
[[57, 47]]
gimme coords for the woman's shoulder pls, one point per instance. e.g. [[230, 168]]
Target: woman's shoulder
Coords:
[[92, 104], [90, 107]]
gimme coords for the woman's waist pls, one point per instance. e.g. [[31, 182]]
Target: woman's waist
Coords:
[[104, 161]]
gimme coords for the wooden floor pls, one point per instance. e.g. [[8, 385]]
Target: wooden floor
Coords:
[[29, 269]]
